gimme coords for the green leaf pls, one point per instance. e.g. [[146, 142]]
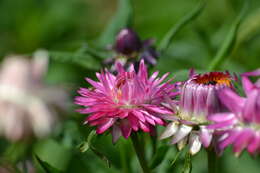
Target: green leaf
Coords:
[[78, 58], [176, 157], [101, 156], [167, 39], [86, 48], [122, 19], [187, 168], [159, 156], [229, 42], [16, 151], [47, 167], [53, 153], [86, 144]]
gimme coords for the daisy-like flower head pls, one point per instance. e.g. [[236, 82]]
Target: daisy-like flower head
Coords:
[[240, 125], [198, 99], [126, 102]]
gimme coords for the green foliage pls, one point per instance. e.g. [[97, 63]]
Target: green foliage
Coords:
[[52, 153], [84, 146], [207, 35], [187, 164], [176, 157], [47, 168], [229, 42], [84, 60], [167, 39], [159, 156], [101, 156], [122, 19]]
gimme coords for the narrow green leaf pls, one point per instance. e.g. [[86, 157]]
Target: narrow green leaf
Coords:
[[187, 168], [176, 157], [87, 49], [167, 39], [84, 146], [83, 60], [101, 156], [47, 167], [122, 19], [159, 156], [90, 136], [88, 145], [229, 42]]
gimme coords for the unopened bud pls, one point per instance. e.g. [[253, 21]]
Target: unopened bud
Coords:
[[128, 42]]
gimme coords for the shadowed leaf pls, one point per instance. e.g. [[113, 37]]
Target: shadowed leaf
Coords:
[[159, 156], [81, 59], [47, 167], [101, 156], [229, 42], [167, 39], [176, 157], [122, 19]]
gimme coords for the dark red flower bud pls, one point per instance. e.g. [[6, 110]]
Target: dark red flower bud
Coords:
[[128, 42]]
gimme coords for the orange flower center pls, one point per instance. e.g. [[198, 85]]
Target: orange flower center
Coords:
[[214, 78]]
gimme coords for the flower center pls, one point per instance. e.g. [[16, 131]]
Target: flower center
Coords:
[[214, 78], [122, 80]]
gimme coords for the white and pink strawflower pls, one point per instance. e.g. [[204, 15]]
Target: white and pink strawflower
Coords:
[[126, 102], [239, 126], [26, 103], [198, 99]]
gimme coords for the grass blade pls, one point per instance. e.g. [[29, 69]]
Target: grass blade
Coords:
[[229, 43], [167, 39], [84, 60]]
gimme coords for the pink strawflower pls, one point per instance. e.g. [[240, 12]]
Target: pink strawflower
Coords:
[[240, 125], [125, 102], [198, 99]]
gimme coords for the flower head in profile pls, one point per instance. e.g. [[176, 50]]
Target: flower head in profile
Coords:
[[129, 49], [25, 100], [239, 126], [198, 99], [126, 102]]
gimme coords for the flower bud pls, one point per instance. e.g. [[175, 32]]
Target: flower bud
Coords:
[[128, 42]]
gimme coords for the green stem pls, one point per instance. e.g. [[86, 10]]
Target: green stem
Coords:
[[139, 150], [212, 161], [124, 161]]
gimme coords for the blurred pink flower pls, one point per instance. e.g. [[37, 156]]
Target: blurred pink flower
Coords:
[[240, 125], [24, 99], [198, 99], [126, 102]]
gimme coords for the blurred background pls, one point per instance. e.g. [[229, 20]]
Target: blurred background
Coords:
[[63, 27]]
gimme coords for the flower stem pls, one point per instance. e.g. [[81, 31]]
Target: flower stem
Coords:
[[212, 161], [139, 150], [123, 157]]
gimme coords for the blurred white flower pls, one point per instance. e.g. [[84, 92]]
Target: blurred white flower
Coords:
[[25, 102]]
